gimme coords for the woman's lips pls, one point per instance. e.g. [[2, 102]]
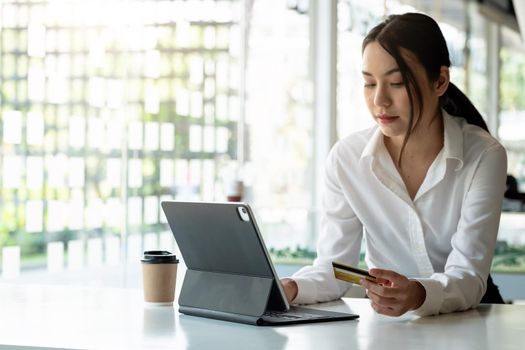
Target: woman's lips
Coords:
[[387, 119]]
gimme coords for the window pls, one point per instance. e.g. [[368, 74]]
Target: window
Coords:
[[510, 255], [103, 115], [279, 117]]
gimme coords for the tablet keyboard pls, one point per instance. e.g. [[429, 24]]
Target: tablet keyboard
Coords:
[[301, 315], [290, 315], [280, 315]]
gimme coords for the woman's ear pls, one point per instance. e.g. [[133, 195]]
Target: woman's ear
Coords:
[[441, 84]]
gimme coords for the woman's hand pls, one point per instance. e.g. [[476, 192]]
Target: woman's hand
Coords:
[[290, 288], [393, 294]]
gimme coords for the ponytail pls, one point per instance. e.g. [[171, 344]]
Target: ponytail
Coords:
[[457, 104]]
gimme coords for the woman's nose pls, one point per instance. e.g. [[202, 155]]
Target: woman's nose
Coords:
[[381, 97]]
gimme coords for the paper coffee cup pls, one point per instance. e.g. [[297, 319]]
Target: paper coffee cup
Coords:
[[159, 270], [234, 191]]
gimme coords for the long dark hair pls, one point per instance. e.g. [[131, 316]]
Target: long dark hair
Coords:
[[421, 36]]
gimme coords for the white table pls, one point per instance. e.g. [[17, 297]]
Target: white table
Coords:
[[39, 316]]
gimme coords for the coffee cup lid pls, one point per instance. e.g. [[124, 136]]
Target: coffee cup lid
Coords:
[[159, 257]]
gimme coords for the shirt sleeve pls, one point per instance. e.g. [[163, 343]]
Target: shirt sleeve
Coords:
[[339, 240], [464, 280]]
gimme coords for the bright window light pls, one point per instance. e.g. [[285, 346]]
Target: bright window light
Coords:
[[57, 212], [208, 183], [181, 172], [135, 173], [135, 135], [183, 102], [221, 107], [167, 136], [55, 256], [97, 94], [76, 171], [36, 84], [195, 172], [95, 132], [114, 134], [12, 171], [166, 241], [196, 70], [10, 262], [35, 172], [77, 132], [114, 213], [57, 89], [196, 104], [151, 136], [94, 252], [152, 64], [35, 128], [134, 248], [12, 124], [75, 255], [151, 99], [93, 209], [135, 211], [75, 219], [104, 112], [195, 138], [166, 173], [209, 139], [113, 172], [223, 135], [34, 216], [56, 170], [116, 98], [151, 210], [112, 250], [151, 241]]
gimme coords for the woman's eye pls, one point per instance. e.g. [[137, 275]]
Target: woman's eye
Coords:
[[397, 84], [369, 85]]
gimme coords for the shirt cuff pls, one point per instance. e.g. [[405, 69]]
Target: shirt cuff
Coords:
[[306, 293], [433, 299]]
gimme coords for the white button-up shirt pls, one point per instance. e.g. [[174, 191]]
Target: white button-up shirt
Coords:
[[444, 238]]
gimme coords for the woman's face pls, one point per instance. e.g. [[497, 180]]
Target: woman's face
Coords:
[[386, 94]]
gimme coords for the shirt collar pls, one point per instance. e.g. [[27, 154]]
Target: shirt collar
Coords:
[[374, 145], [453, 144], [452, 148]]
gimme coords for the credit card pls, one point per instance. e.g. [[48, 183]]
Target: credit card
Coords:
[[350, 274]]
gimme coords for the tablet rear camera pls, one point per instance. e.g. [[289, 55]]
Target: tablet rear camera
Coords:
[[243, 213]]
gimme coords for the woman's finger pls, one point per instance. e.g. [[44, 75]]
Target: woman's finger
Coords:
[[383, 301], [380, 289], [388, 311], [389, 275]]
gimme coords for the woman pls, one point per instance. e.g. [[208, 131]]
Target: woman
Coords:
[[426, 185]]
